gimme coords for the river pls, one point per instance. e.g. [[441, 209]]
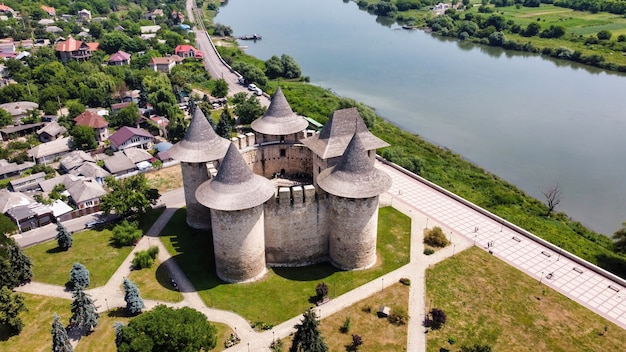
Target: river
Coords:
[[531, 120]]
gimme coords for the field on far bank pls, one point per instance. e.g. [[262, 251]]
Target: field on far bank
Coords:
[[489, 302]]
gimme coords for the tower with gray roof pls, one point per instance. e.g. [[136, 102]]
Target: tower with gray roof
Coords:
[[236, 197], [201, 145], [353, 185]]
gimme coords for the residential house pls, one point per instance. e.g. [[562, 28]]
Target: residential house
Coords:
[[28, 183], [32, 216], [127, 137], [85, 194], [5, 10], [45, 22], [84, 15], [75, 49], [49, 10], [8, 169], [60, 210], [164, 64], [186, 51], [50, 132], [91, 170], [137, 155], [46, 186], [48, 152], [119, 164], [149, 29], [12, 132], [151, 15], [95, 121], [7, 49], [10, 200], [119, 106], [73, 160], [120, 58], [177, 16], [19, 109]]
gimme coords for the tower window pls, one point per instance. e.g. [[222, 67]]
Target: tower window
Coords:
[[283, 153]]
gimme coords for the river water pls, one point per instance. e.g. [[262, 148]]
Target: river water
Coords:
[[532, 121]]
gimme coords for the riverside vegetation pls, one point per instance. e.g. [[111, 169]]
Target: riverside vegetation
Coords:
[[449, 170]]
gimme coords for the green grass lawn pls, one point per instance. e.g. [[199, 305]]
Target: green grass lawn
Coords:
[[489, 302], [90, 248], [37, 322], [193, 251], [154, 283]]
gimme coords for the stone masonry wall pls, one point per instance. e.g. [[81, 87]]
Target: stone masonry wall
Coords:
[[295, 231], [238, 244], [353, 232], [194, 174]]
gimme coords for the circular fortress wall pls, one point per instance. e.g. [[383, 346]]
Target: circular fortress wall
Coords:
[[194, 174]]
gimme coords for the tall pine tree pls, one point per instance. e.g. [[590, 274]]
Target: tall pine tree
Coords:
[[60, 340], [64, 237], [11, 304], [307, 337], [15, 266], [224, 126], [84, 315], [134, 303]]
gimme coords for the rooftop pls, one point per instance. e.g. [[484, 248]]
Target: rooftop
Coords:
[[279, 119], [201, 143]]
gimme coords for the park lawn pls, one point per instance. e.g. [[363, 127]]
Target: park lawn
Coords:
[[149, 218], [193, 251], [37, 322], [490, 302], [154, 283], [378, 333], [90, 248]]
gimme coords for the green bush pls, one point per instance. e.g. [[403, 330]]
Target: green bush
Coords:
[[346, 326], [398, 316], [406, 281], [126, 234], [429, 251], [435, 237]]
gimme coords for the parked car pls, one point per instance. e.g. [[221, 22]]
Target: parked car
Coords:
[[241, 81], [258, 91], [252, 87]]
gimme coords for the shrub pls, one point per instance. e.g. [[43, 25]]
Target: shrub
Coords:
[[398, 317], [435, 237], [451, 340], [322, 290], [142, 260], [126, 234], [346, 326], [357, 341], [367, 309], [429, 251], [438, 318], [405, 281]]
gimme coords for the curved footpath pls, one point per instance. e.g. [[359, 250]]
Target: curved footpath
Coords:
[[426, 206]]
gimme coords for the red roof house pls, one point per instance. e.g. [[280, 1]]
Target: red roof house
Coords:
[[95, 121], [49, 10], [120, 58], [75, 49], [186, 51]]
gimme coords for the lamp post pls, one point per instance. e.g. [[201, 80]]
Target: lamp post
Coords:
[[453, 248], [382, 285], [475, 239], [107, 303], [541, 278]]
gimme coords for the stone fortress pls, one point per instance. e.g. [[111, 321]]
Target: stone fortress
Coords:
[[284, 195]]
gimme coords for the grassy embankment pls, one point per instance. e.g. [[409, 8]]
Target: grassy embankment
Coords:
[[193, 251], [489, 302]]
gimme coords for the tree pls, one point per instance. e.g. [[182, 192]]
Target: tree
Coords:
[[64, 237], [273, 67], [249, 110], [619, 236], [134, 303], [435, 237], [84, 315], [126, 234], [531, 30], [15, 266], [220, 89], [357, 341], [166, 329], [145, 259], [291, 69], [127, 116], [74, 108], [224, 126], [60, 340], [438, 318], [7, 226], [79, 276], [83, 137], [128, 196], [5, 117], [322, 290], [307, 337], [11, 304], [604, 34], [553, 197]]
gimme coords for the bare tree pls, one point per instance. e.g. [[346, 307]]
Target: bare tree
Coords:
[[553, 197]]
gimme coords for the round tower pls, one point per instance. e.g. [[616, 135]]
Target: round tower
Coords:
[[353, 185], [236, 196], [200, 145]]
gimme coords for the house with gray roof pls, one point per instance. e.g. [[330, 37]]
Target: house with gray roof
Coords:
[[85, 194], [137, 155], [119, 164], [48, 152], [91, 170], [32, 216], [28, 183], [74, 159], [8, 169], [10, 200], [127, 137], [50, 132], [19, 109]]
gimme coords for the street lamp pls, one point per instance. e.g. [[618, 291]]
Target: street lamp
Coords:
[[107, 303], [453, 248], [382, 286], [475, 239], [541, 278]]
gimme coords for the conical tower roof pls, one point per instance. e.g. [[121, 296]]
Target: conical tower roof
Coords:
[[279, 119], [201, 143], [355, 175], [234, 187]]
